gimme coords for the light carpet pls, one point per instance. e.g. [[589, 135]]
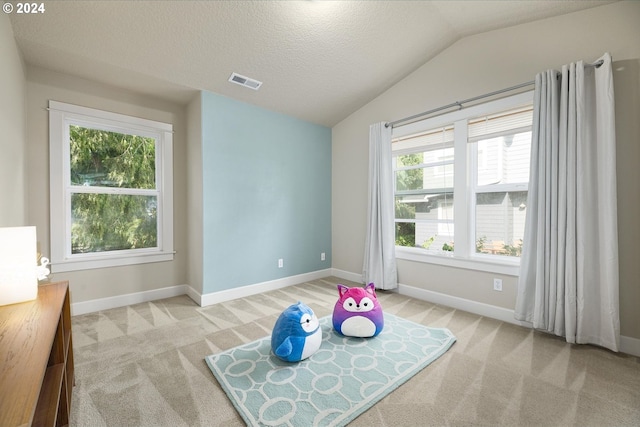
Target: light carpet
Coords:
[[344, 378], [143, 366]]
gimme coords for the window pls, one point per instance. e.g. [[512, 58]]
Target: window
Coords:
[[423, 171], [111, 189], [480, 155], [500, 150]]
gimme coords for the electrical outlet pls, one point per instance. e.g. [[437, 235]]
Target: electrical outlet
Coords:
[[322, 256], [497, 284], [280, 263]]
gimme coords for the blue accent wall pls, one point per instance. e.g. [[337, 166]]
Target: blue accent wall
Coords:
[[266, 194]]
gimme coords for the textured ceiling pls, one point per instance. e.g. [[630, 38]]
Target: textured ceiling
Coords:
[[319, 60]]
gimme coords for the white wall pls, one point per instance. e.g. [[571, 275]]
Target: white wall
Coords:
[[13, 175], [480, 64], [88, 285]]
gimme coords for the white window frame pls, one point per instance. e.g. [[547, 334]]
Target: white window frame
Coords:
[[464, 255], [61, 116]]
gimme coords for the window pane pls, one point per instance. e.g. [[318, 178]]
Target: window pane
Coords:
[[433, 229], [504, 160], [409, 160], [500, 221], [429, 206], [110, 222], [436, 171], [430, 178], [409, 179], [406, 234], [111, 159], [432, 237]]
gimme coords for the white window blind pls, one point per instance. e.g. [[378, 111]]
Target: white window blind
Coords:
[[424, 141], [505, 123]]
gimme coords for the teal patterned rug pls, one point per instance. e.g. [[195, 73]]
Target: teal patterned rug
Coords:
[[344, 378]]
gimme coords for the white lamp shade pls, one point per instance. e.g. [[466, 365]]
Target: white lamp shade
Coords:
[[18, 265]]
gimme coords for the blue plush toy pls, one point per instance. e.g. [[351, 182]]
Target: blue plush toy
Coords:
[[296, 334]]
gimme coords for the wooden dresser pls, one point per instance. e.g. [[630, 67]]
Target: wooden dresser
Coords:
[[36, 359]]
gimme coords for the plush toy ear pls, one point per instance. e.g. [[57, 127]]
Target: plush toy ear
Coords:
[[371, 288], [342, 290]]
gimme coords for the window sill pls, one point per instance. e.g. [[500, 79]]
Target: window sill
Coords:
[[92, 262], [509, 267]]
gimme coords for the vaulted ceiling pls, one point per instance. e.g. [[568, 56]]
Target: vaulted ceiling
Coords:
[[318, 60]]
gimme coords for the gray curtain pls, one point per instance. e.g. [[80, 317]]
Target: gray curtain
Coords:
[[568, 282], [380, 250]]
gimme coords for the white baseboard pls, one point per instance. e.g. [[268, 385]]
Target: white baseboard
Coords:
[[194, 295], [628, 345], [248, 290], [202, 300], [471, 306], [347, 275], [128, 299]]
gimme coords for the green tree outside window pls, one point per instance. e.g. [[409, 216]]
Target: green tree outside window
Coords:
[[103, 220]]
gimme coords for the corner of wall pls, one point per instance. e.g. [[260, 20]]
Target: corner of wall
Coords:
[[194, 194]]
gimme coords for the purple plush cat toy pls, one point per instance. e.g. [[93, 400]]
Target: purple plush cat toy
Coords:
[[357, 312]]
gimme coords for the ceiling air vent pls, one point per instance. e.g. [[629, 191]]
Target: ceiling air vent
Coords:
[[245, 81]]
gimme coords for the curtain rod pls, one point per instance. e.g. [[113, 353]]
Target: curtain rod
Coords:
[[475, 98]]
